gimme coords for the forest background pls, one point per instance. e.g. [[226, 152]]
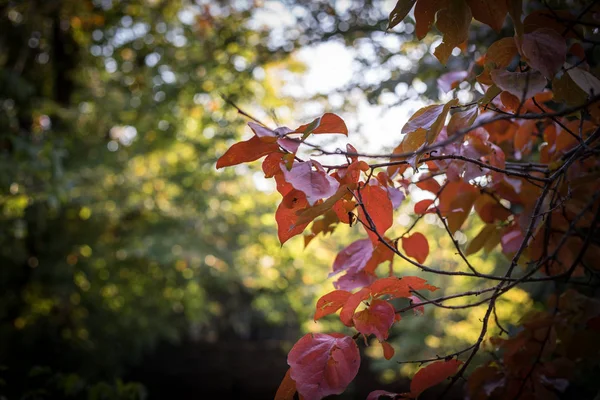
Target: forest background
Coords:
[[131, 267]]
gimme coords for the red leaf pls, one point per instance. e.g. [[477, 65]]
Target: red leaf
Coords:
[[422, 206], [546, 50], [314, 183], [394, 287], [432, 375], [331, 302], [351, 304], [416, 246], [377, 319], [455, 203], [286, 215], [388, 350], [328, 123], [287, 388], [271, 164], [379, 208], [430, 185], [323, 364], [247, 151]]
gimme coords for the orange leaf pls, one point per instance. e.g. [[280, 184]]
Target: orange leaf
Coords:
[[416, 246], [247, 151], [328, 123], [453, 21], [286, 216], [510, 101], [376, 319], [287, 388], [492, 13], [501, 53], [422, 206], [432, 375], [330, 303], [456, 201], [395, 287], [388, 350], [425, 11], [350, 306], [431, 185], [379, 207]]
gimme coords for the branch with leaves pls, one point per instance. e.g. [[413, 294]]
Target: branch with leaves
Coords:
[[522, 159]]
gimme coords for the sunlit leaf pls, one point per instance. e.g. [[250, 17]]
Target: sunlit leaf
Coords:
[[416, 246], [433, 374]]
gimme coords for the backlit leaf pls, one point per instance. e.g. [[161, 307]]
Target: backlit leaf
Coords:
[[310, 178], [433, 374], [328, 123], [249, 150], [323, 364], [479, 241], [379, 207], [453, 21], [399, 12], [422, 206], [393, 287], [286, 215], [330, 303], [376, 319], [492, 13], [425, 125], [501, 53], [350, 306], [388, 350], [425, 11], [416, 246], [456, 201]]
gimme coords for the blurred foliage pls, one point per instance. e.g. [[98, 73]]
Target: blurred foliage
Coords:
[[116, 230]]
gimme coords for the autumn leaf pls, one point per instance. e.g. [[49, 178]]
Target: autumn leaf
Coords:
[[492, 13], [376, 319], [450, 80], [379, 207], [388, 350], [286, 215], [352, 260], [393, 287], [310, 178], [461, 120], [352, 303], [480, 240], [453, 21], [433, 374], [416, 246], [523, 85], [422, 206], [425, 125], [323, 364], [399, 12], [586, 81], [425, 12], [455, 203], [287, 388], [545, 50], [330, 303], [247, 151], [501, 53], [328, 123]]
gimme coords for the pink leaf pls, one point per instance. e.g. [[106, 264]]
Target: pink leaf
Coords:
[[310, 178], [322, 364], [354, 257], [418, 310], [450, 80]]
